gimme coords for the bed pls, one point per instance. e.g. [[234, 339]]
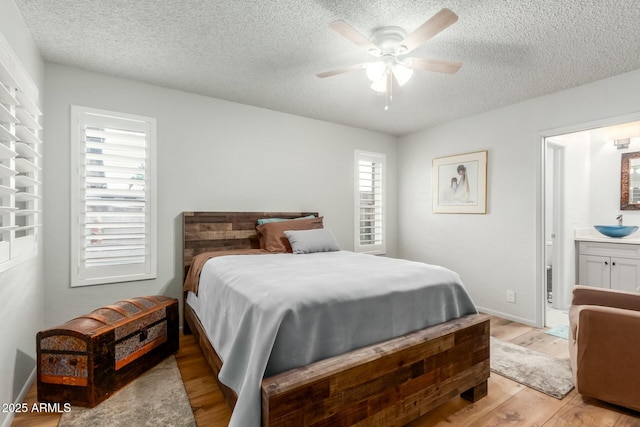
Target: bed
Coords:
[[387, 383]]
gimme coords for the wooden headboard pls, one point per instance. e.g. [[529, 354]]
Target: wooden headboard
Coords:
[[220, 231]]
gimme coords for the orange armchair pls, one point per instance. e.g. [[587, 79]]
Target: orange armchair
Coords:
[[604, 344]]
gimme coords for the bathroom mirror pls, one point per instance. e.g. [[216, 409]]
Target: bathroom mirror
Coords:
[[630, 181]]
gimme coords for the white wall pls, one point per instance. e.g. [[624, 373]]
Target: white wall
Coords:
[[21, 288], [212, 155], [501, 250]]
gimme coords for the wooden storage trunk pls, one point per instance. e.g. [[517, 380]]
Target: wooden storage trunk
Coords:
[[87, 359]]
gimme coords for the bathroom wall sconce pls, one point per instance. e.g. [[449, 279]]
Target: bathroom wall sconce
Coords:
[[622, 134], [621, 143]]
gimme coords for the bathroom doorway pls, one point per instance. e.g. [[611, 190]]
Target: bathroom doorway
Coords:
[[581, 181]]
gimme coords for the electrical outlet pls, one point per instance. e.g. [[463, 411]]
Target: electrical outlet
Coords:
[[511, 296]]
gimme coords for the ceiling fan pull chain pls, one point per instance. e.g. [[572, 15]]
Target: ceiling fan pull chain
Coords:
[[389, 92], [386, 99]]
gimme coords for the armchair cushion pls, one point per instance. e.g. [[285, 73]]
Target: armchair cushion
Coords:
[[604, 344]]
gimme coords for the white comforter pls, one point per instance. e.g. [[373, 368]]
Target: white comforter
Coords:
[[265, 314]]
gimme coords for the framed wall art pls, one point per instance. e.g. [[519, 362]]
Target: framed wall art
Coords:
[[459, 183]]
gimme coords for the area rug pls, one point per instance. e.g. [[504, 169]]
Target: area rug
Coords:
[[538, 371], [156, 398], [560, 331]]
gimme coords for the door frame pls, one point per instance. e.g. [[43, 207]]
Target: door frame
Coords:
[[557, 215]]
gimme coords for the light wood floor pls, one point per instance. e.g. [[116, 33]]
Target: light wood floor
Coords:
[[508, 403]]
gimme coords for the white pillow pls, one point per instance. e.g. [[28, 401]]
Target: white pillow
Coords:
[[310, 241]]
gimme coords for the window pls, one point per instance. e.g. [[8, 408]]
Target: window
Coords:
[[369, 202], [113, 204], [20, 160]]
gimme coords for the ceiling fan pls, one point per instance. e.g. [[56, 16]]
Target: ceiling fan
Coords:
[[389, 45]]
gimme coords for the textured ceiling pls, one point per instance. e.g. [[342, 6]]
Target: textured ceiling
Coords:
[[267, 52]]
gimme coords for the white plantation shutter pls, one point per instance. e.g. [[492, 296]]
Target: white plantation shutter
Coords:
[[20, 159], [369, 202], [114, 203]]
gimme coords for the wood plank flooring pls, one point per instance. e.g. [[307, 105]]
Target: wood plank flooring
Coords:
[[508, 403]]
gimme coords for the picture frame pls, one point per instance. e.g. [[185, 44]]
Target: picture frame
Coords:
[[459, 183]]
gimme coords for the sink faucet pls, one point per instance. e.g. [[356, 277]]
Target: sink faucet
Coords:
[[619, 219]]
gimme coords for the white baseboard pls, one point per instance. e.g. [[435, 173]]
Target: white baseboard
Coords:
[[507, 316], [23, 393]]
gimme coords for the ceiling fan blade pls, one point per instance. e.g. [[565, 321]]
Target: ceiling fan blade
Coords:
[[433, 26], [424, 64], [351, 34], [341, 70]]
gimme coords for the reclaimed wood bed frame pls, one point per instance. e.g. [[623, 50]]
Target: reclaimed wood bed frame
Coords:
[[386, 384]]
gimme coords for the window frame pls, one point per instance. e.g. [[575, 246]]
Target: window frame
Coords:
[[373, 157], [21, 159], [80, 274]]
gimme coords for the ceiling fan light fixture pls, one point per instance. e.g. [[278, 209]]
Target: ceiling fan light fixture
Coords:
[[380, 85], [387, 44], [376, 70], [402, 74]]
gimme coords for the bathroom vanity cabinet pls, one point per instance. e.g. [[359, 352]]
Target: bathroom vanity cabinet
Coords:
[[609, 265]]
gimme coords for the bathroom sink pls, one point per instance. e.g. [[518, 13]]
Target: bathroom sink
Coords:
[[616, 230]]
